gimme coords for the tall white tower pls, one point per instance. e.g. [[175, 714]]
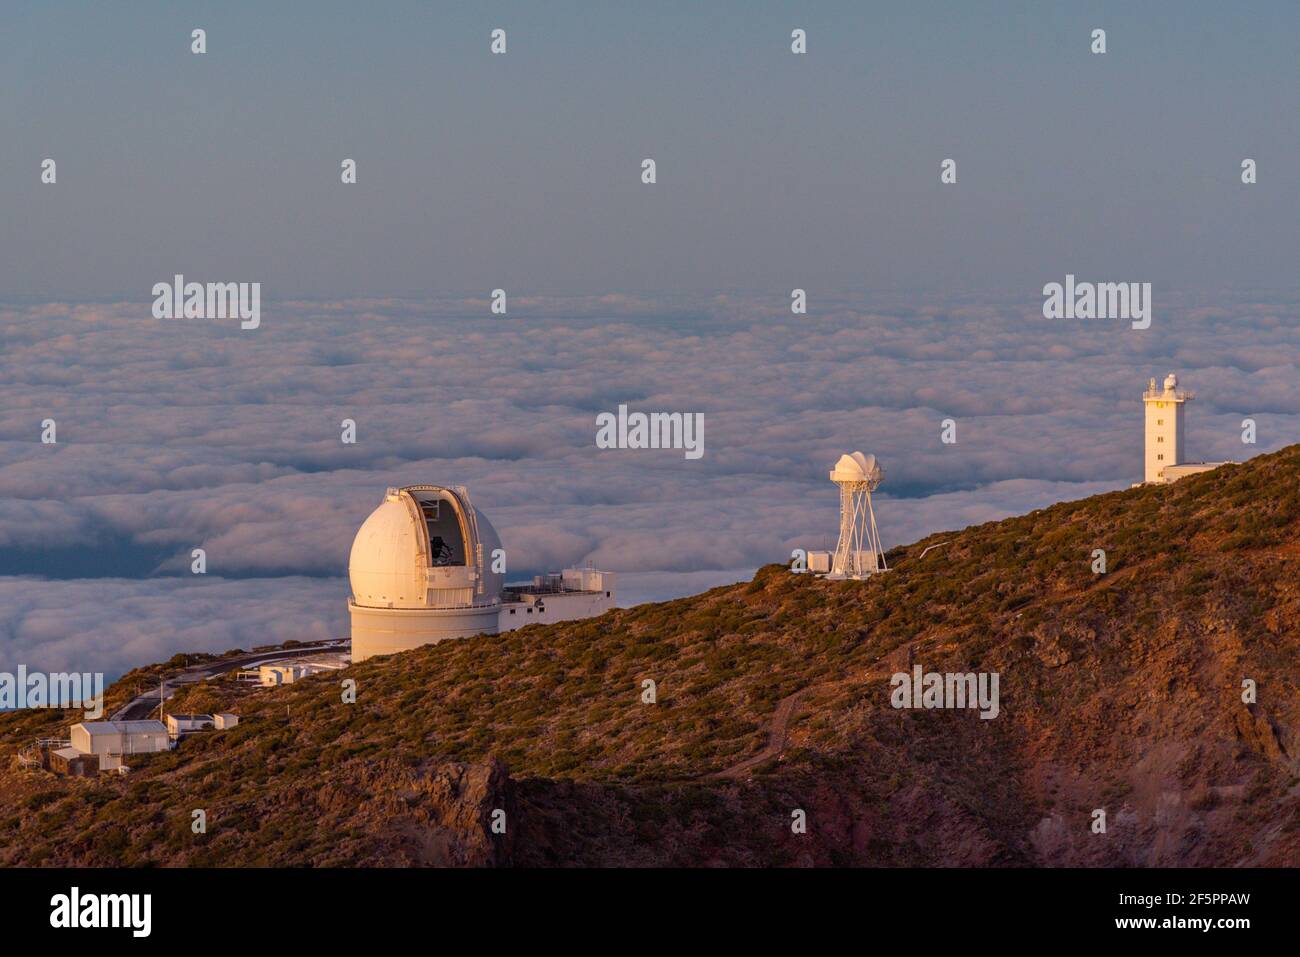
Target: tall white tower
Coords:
[[1164, 427], [858, 553]]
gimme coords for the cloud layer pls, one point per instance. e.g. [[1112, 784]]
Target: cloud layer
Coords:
[[181, 434]]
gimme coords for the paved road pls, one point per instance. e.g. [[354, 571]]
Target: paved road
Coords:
[[142, 706]]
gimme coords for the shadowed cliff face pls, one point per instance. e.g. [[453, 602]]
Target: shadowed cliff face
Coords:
[[1119, 692]]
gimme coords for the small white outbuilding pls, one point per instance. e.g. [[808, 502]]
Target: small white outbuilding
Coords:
[[114, 741], [274, 674], [178, 724]]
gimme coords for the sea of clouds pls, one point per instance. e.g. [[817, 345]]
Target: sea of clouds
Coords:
[[193, 433]]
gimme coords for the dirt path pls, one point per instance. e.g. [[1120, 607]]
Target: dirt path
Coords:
[[776, 735], [778, 726]]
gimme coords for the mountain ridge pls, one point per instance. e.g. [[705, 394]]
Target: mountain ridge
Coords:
[[1120, 692]]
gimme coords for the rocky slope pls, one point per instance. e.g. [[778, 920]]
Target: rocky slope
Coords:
[[1120, 691]]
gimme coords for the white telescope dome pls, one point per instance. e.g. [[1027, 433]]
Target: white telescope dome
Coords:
[[421, 570], [425, 546], [856, 468]]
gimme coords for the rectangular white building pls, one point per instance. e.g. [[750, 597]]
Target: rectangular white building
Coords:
[[819, 562], [178, 724], [115, 741], [572, 594], [278, 673]]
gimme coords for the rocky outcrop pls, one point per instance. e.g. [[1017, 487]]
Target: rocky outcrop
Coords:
[[433, 814]]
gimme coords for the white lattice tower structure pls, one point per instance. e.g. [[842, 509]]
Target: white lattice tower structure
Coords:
[[858, 553]]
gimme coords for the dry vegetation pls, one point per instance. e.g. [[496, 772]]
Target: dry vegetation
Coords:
[[1120, 690]]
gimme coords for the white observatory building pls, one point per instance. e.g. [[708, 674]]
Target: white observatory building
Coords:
[[1165, 448], [422, 570], [858, 554]]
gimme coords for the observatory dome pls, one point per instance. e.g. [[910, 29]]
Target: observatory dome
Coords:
[[425, 546], [856, 468]]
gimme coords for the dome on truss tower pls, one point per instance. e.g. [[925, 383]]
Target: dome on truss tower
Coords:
[[857, 468]]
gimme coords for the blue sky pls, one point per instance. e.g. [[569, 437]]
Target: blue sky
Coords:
[[521, 171]]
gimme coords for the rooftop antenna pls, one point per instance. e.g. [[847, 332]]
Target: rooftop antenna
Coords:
[[858, 553]]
